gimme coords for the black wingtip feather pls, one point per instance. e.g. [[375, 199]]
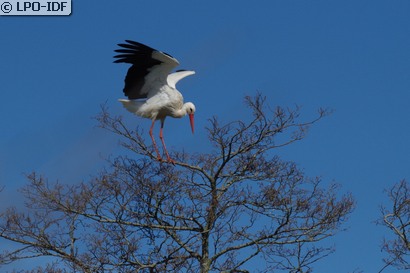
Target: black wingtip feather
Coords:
[[133, 52], [133, 44]]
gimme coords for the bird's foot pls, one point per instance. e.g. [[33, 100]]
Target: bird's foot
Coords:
[[170, 160]]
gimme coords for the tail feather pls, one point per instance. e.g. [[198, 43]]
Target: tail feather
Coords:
[[131, 105]]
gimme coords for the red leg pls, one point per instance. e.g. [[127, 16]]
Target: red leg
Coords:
[[163, 143], [153, 140]]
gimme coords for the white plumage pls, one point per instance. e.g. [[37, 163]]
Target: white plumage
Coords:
[[150, 87]]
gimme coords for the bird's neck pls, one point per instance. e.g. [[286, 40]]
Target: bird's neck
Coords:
[[179, 113], [183, 111]]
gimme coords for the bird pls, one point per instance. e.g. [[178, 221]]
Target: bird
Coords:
[[150, 87]]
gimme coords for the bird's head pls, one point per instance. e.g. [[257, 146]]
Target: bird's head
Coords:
[[190, 110]]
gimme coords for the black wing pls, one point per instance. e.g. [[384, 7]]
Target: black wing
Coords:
[[144, 60]]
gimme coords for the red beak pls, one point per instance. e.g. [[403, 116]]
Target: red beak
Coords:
[[191, 120]]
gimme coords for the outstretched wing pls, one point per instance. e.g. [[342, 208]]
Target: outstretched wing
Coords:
[[149, 70], [175, 77]]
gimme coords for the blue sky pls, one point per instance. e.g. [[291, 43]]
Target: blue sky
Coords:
[[349, 56]]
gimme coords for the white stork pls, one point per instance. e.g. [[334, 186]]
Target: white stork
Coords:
[[150, 87]]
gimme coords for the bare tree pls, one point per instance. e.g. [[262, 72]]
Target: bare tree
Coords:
[[210, 212], [396, 217]]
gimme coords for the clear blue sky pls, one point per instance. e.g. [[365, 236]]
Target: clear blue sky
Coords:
[[352, 56]]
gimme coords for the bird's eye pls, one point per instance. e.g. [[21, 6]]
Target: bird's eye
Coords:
[[190, 110]]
